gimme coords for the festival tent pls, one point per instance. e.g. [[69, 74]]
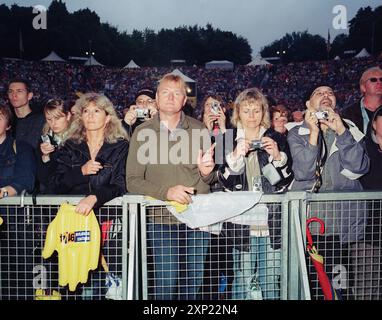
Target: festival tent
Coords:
[[131, 65], [53, 57], [92, 62], [259, 61], [219, 64], [362, 54], [186, 79], [337, 58]]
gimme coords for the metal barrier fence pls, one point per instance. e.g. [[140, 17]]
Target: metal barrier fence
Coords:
[[25, 275], [350, 245], [240, 259], [243, 258]]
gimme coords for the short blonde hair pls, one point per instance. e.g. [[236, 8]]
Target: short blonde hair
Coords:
[[366, 72], [251, 96], [113, 129], [174, 78]]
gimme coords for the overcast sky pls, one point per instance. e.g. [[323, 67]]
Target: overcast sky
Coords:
[[259, 21]]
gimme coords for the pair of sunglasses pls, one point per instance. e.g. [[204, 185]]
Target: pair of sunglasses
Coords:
[[375, 79]]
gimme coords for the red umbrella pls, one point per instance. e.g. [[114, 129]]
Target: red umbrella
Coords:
[[318, 261]]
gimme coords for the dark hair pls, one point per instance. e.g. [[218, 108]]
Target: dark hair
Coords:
[[20, 80]]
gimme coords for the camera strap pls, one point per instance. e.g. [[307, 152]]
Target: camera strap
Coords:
[[321, 158]]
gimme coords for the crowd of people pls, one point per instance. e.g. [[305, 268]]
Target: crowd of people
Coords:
[[80, 144], [284, 83]]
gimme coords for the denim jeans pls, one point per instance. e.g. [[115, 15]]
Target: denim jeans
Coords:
[[263, 262], [176, 257]]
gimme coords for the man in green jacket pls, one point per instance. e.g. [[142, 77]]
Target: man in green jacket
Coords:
[[166, 161]]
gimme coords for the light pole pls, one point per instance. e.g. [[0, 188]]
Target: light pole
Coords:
[[90, 53]]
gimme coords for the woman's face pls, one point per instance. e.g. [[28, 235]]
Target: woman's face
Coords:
[[94, 118], [278, 121], [57, 122], [251, 115]]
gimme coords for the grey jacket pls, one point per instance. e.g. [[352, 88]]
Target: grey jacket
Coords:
[[347, 160]]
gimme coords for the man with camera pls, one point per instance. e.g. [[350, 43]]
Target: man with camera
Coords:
[[144, 108], [329, 154]]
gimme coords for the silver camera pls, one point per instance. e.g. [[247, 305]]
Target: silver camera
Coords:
[[215, 107], [322, 115], [255, 145], [142, 113]]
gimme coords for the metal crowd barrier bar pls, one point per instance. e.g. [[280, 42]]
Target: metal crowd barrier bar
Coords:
[[239, 259], [350, 245], [22, 236]]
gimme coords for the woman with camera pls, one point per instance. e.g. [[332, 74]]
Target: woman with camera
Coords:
[[259, 161], [57, 117]]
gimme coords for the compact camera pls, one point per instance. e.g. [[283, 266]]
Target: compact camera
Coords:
[[142, 113], [255, 145], [46, 138], [215, 107], [322, 115]]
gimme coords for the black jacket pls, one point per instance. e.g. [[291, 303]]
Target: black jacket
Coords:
[[238, 182], [107, 184]]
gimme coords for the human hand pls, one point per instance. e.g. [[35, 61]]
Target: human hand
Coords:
[[86, 205], [271, 147], [91, 167], [46, 148], [131, 115], [334, 122], [180, 194], [206, 162]]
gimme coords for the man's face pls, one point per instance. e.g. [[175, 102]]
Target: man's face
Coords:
[[322, 98], [170, 97], [298, 116], [144, 102], [18, 95], [372, 85]]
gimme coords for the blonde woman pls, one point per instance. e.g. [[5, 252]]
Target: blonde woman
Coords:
[[258, 162], [57, 117], [93, 156]]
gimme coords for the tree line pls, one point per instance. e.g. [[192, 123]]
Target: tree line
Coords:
[[74, 34], [69, 34]]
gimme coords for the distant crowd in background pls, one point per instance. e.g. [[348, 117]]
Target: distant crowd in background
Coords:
[[282, 84]]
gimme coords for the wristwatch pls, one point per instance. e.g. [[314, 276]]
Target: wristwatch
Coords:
[[5, 192]]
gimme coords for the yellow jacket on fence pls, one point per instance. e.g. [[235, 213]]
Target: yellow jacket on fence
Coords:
[[76, 238]]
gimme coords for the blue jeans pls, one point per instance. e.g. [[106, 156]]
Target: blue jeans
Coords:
[[264, 263], [177, 260]]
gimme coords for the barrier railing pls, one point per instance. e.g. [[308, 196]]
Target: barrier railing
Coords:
[[244, 258]]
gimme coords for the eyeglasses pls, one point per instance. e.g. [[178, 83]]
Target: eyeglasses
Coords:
[[142, 102], [375, 79]]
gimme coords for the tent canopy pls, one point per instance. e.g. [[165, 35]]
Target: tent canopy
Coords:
[[337, 58], [177, 72], [53, 57], [131, 65], [219, 64], [92, 62], [363, 54], [259, 61]]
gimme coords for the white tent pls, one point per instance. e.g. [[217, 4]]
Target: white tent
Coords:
[[92, 62], [362, 54], [131, 65], [259, 61], [53, 57], [219, 64], [177, 72], [337, 58]]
